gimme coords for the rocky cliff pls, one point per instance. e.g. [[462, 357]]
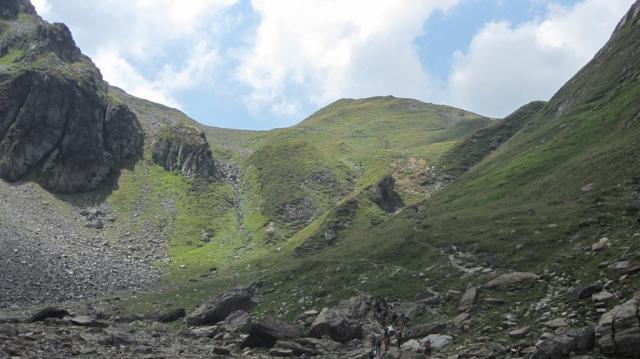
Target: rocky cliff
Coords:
[[185, 149], [57, 125]]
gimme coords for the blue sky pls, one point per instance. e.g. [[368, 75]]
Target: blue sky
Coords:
[[261, 64]]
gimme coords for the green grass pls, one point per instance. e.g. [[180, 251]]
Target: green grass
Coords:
[[519, 208]]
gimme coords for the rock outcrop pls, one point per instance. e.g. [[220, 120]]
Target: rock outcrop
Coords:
[[57, 125], [385, 196], [11, 8], [219, 308], [618, 331], [265, 333], [344, 322], [514, 280], [578, 341], [185, 149]]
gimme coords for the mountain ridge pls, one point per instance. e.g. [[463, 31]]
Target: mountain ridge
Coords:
[[486, 231]]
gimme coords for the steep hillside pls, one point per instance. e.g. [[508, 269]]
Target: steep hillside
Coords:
[[481, 143], [558, 200], [511, 237]]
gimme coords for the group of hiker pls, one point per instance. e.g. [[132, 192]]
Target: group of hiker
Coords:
[[394, 325]]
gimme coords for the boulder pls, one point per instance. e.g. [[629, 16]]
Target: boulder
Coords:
[[336, 325], [514, 280], [117, 338], [579, 341], [85, 321], [520, 333], [412, 345], [586, 291], [298, 349], [172, 316], [601, 244], [556, 323], [618, 331], [219, 308], [238, 321], [469, 297], [438, 341], [46, 313], [265, 333]]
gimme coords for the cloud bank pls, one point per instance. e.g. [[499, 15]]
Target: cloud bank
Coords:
[[286, 58]]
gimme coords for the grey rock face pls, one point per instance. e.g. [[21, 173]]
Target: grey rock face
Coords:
[[579, 341], [186, 150], [238, 321], [11, 8], [618, 331], [219, 308], [344, 322], [384, 194], [61, 132]]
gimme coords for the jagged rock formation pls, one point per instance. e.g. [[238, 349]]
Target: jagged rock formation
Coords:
[[219, 308], [186, 150], [619, 331], [384, 194], [11, 8], [57, 125]]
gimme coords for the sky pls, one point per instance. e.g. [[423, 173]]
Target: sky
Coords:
[[262, 64]]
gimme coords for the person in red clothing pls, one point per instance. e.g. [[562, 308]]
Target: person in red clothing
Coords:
[[386, 340]]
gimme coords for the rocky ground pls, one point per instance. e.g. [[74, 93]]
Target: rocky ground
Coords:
[[53, 251], [223, 327]]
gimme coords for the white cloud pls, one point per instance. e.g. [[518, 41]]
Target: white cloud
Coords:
[[151, 48], [319, 50], [507, 66], [42, 6]]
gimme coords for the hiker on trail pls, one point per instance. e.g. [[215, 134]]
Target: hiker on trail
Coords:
[[399, 337], [374, 346], [386, 339], [378, 345], [427, 348]]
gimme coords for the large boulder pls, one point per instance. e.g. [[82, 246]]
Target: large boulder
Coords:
[[219, 308], [238, 322], [578, 341], [171, 316], [336, 325], [265, 333], [344, 322], [47, 313], [185, 149], [469, 297], [514, 280], [618, 331]]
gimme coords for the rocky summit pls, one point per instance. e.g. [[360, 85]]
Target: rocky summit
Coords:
[[381, 226]]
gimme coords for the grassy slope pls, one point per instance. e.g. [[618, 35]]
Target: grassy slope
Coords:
[[521, 208], [352, 142]]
